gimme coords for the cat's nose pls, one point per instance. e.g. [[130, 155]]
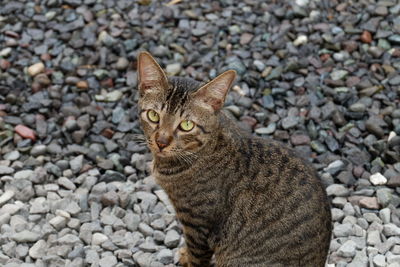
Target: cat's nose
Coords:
[[163, 142]]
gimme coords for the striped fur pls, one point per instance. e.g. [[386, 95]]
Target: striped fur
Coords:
[[248, 201]]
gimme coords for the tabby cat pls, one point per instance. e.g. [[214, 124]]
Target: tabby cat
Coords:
[[246, 200]]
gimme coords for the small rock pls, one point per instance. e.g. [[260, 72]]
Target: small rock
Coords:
[[110, 198], [289, 122], [172, 239], [246, 38], [66, 183], [338, 74], [13, 155], [25, 236], [25, 132], [122, 63], [379, 260], [35, 69], [391, 229], [337, 190], [58, 222], [24, 174], [38, 250], [6, 196], [82, 85], [378, 179], [108, 261], [76, 164], [165, 256], [343, 230], [4, 170], [369, 203], [348, 249], [300, 40], [366, 37], [98, 239], [266, 130], [38, 150], [173, 69]]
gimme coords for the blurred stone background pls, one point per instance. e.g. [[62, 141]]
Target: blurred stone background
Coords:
[[75, 189]]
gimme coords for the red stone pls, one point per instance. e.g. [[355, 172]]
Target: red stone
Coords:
[[107, 83], [108, 133], [45, 57], [369, 203], [4, 64], [25, 132], [366, 37], [300, 139]]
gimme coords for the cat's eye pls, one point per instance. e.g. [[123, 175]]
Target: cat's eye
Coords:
[[153, 116], [186, 125]]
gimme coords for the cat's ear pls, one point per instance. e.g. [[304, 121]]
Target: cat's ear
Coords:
[[150, 74], [214, 92]]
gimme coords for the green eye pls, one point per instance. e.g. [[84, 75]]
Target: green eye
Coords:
[[186, 125], [153, 116]]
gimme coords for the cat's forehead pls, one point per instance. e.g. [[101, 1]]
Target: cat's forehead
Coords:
[[176, 97]]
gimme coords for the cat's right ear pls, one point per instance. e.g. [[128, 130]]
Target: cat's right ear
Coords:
[[150, 74], [214, 92]]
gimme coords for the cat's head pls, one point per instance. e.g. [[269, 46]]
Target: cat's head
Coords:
[[178, 115]]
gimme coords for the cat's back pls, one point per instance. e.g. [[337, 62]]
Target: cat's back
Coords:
[[279, 211]]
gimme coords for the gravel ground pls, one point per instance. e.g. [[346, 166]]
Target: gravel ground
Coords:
[[75, 189]]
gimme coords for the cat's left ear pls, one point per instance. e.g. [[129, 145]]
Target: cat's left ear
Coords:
[[214, 92], [150, 74]]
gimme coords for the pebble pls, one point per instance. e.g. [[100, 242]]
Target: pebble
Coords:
[[38, 250], [378, 179], [6, 196], [391, 229], [108, 261], [172, 238], [338, 74], [369, 203], [25, 236], [266, 130], [25, 132], [24, 174], [289, 122], [348, 249], [38, 150], [6, 170], [98, 239], [366, 37], [379, 260], [122, 63], [35, 69], [12, 155], [165, 256], [300, 40], [173, 69]]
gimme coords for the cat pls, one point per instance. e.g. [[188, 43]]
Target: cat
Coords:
[[244, 200]]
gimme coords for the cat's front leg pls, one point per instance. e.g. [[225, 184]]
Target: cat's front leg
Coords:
[[194, 257]]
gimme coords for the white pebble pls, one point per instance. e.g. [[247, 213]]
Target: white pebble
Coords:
[[377, 179], [302, 39], [6, 197], [36, 69], [98, 239]]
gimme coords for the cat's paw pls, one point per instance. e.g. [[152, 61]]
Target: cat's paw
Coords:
[[184, 257]]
